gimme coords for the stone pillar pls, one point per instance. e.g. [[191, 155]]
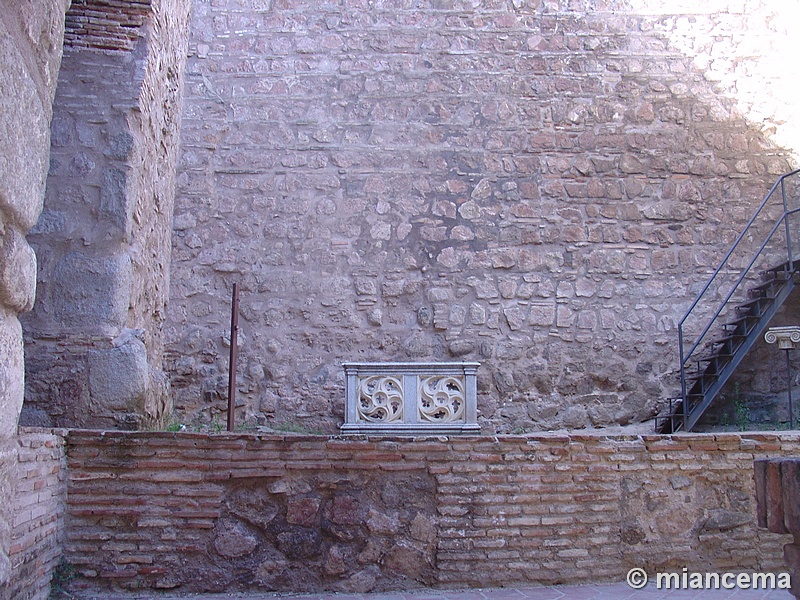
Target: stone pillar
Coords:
[[93, 341], [31, 37], [778, 507]]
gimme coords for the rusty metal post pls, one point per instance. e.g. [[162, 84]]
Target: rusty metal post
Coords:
[[232, 361], [789, 388]]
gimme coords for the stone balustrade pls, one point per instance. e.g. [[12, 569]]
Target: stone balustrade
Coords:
[[402, 397]]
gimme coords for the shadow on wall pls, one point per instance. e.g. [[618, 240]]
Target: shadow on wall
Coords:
[[536, 187]]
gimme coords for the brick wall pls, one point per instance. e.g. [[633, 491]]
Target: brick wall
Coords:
[[305, 513], [105, 24], [37, 508]]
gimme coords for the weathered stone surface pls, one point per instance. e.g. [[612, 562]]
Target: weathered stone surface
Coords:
[[92, 294], [11, 375], [17, 272], [270, 570], [104, 243], [724, 520], [381, 523], [300, 544], [116, 202], [337, 561], [118, 378], [409, 562], [23, 162], [233, 541], [359, 583], [423, 529], [411, 203], [43, 25], [345, 510], [255, 505], [302, 511]]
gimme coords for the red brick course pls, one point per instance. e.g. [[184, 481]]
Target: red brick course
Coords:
[[38, 508], [155, 510]]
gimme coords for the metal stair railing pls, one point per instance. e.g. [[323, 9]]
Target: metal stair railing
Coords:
[[715, 284]]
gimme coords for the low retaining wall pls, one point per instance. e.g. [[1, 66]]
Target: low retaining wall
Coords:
[[304, 513], [37, 513]]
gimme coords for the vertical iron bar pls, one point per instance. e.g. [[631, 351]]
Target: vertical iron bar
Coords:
[[790, 267], [232, 361], [789, 388], [683, 381]]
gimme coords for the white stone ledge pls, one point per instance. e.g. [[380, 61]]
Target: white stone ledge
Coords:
[[411, 397]]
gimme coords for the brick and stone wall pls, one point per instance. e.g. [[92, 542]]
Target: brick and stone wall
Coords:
[[103, 241], [538, 185], [39, 484], [30, 52], [232, 512]]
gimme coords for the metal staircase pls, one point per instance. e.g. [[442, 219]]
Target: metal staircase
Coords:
[[747, 296]]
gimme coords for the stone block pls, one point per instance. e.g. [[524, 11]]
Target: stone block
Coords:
[[791, 556], [233, 541], [790, 494], [115, 203], [24, 129], [12, 381], [92, 294], [725, 520], [17, 272], [118, 378], [777, 483], [773, 477], [43, 23]]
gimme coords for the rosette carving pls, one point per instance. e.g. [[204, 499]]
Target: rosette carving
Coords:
[[380, 399], [441, 399]]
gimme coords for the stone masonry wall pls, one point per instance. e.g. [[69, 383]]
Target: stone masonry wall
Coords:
[[539, 185], [94, 339], [40, 490], [30, 52], [238, 512]]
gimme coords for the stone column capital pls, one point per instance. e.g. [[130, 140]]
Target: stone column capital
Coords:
[[786, 337]]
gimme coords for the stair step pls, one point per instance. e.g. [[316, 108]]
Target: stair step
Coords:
[[728, 346], [768, 285], [783, 270], [741, 322], [757, 301], [700, 386]]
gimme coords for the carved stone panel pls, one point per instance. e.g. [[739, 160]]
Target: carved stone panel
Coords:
[[411, 398]]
